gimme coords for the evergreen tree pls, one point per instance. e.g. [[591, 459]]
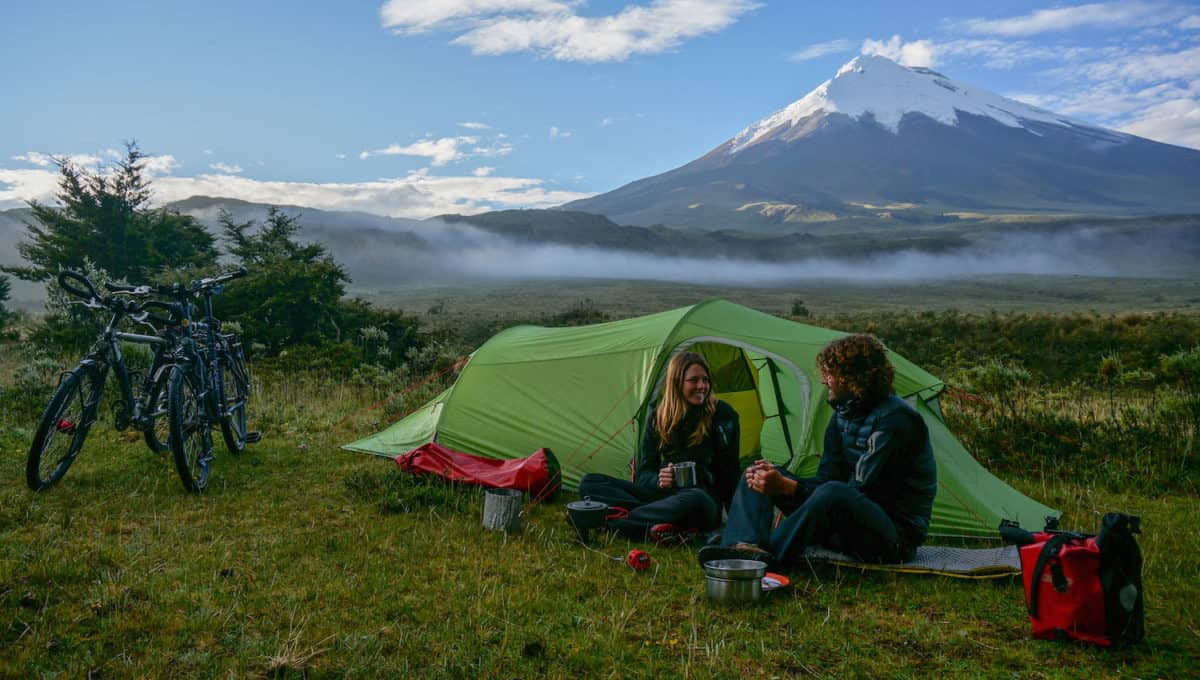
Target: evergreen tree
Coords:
[[293, 292], [5, 291], [106, 217]]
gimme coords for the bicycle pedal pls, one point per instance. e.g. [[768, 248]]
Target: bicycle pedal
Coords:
[[253, 437]]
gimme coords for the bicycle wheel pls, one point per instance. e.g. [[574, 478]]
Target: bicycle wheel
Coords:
[[62, 429], [158, 434], [190, 435], [237, 391]]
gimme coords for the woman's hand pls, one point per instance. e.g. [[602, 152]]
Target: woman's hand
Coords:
[[666, 476], [766, 479]]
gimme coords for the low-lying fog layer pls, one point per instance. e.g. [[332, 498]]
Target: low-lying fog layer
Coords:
[[433, 251], [449, 252]]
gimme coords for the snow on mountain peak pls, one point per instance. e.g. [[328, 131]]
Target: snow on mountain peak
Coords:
[[887, 90]]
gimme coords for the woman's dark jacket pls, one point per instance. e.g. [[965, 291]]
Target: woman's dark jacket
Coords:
[[716, 456]]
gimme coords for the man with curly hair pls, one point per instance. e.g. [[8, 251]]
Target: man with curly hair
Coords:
[[873, 493]]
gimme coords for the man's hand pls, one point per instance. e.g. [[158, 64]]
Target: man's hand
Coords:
[[766, 479], [666, 476]]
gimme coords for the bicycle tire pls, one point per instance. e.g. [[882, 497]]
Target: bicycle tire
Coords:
[[158, 433], [237, 391], [67, 413], [190, 435]]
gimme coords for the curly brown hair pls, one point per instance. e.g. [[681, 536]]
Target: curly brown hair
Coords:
[[860, 363]]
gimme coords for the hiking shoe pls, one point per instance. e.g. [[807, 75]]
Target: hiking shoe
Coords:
[[668, 534], [741, 551], [616, 512]]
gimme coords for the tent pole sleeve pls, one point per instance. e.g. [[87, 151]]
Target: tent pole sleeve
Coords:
[[787, 436]]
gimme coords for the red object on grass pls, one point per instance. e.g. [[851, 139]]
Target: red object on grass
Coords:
[[638, 559], [537, 474]]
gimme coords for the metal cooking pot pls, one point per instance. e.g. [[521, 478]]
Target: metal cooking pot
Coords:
[[735, 582], [587, 514]]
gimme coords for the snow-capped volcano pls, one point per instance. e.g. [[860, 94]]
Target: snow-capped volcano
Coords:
[[880, 141], [887, 91]]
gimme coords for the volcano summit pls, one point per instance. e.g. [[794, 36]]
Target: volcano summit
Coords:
[[882, 142]]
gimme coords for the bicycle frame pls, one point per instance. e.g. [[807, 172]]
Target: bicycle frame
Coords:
[[204, 362], [107, 354]]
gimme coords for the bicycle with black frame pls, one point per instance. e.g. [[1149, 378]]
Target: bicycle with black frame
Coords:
[[208, 385], [75, 404]]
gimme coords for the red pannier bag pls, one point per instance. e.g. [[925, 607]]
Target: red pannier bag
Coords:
[[537, 474], [1086, 588]]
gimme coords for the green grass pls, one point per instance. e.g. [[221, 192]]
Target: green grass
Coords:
[[305, 560], [302, 559], [464, 304]]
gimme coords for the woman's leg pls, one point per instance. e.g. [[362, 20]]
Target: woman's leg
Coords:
[[686, 509], [615, 492]]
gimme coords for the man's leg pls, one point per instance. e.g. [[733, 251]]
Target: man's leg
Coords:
[[838, 514], [751, 514]]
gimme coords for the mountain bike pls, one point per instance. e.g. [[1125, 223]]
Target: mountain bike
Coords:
[[208, 385], [75, 405]]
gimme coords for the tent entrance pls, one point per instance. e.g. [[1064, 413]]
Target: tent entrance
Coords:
[[768, 392]]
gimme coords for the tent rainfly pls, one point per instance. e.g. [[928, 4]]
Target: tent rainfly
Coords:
[[584, 392]]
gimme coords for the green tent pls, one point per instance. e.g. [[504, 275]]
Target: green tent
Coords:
[[583, 392]]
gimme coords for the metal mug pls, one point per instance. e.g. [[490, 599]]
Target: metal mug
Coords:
[[685, 475]]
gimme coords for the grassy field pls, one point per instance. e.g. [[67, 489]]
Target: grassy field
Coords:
[[303, 560], [456, 304]]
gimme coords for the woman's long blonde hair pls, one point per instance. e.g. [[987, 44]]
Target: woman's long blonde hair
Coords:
[[672, 407]]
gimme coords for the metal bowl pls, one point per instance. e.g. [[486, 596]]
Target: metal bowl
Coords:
[[735, 569], [734, 582]]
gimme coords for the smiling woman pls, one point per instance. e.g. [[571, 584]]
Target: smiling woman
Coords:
[[687, 466]]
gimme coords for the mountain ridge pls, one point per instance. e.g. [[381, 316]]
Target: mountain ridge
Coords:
[[940, 147]]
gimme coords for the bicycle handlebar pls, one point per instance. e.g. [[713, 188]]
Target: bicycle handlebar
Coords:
[[173, 312], [124, 288], [214, 281], [65, 276]]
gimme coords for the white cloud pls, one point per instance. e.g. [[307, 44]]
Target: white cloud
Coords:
[[476, 126], [822, 49], [496, 149], [417, 195], [339, 156], [556, 133], [915, 53], [1190, 22], [43, 160], [159, 165], [483, 171], [438, 151], [606, 121], [1118, 14], [227, 169], [1175, 122], [554, 30], [408, 17], [208, 152], [19, 186]]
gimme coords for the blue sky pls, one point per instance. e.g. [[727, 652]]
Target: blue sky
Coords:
[[415, 108]]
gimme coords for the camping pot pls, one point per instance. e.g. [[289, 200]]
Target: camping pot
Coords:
[[502, 509], [587, 514], [734, 582], [685, 475]]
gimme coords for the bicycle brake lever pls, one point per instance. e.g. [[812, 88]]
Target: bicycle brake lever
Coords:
[[140, 317]]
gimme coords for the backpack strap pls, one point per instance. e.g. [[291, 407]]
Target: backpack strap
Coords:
[[1049, 551]]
